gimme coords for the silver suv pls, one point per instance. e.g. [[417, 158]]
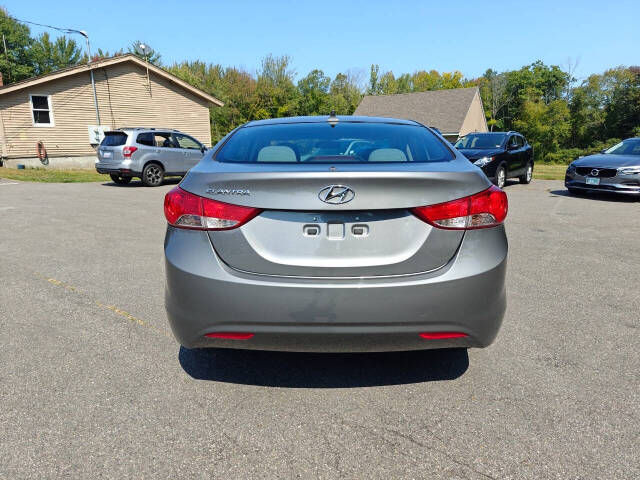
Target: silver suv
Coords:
[[147, 153]]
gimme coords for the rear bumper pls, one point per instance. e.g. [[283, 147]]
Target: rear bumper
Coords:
[[204, 295], [119, 168]]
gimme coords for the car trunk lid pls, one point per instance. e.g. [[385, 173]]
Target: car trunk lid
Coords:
[[303, 232]]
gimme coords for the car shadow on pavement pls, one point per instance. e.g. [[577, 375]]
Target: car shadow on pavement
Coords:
[[323, 370], [598, 196]]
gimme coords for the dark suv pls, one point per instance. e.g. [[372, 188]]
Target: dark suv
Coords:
[[501, 155]]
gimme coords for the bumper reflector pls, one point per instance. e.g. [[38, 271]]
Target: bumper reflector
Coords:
[[230, 335], [440, 335]]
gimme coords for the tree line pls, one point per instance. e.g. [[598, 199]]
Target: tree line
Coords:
[[561, 117]]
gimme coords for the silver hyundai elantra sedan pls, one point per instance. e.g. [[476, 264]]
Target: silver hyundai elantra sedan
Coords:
[[335, 233]]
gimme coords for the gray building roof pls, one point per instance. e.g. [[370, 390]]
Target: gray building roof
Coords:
[[444, 109]]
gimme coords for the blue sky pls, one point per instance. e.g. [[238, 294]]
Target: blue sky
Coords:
[[337, 36]]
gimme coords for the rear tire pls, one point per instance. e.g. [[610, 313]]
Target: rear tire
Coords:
[[119, 179], [528, 176], [152, 175], [501, 177]]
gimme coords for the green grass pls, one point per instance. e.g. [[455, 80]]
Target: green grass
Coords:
[[543, 171], [52, 176]]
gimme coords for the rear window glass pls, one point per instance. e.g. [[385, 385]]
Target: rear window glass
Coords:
[[346, 142], [114, 139]]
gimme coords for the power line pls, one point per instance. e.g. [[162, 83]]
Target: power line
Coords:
[[60, 29]]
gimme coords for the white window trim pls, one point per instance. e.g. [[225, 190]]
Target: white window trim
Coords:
[[51, 123]]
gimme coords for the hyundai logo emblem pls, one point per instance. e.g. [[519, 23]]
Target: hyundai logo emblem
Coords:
[[336, 194], [595, 172]]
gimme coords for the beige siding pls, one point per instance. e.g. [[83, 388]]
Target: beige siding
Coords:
[[124, 100], [475, 121]]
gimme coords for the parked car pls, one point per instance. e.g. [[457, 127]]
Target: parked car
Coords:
[[396, 247], [616, 169], [501, 155], [148, 153]]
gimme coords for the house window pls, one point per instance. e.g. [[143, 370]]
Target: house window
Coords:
[[41, 110]]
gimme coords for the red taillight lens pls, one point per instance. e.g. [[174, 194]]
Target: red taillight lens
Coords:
[[485, 209], [442, 335], [230, 335], [186, 210], [128, 151]]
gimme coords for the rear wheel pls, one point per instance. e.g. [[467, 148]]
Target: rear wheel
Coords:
[[501, 177], [119, 179], [152, 175], [526, 178]]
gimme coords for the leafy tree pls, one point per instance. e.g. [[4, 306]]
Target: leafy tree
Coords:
[[344, 94], [275, 88], [424, 81], [313, 90], [15, 63], [622, 114], [387, 84], [48, 56], [546, 126], [374, 86], [493, 91], [236, 88]]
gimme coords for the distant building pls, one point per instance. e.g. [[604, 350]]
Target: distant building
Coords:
[[455, 112], [58, 110]]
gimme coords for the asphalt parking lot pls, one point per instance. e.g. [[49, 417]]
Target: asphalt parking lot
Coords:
[[93, 384]]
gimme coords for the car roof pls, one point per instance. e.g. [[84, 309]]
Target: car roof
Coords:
[[325, 118], [150, 129], [492, 133]]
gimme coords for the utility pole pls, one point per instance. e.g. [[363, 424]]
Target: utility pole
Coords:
[[93, 81], [6, 56]]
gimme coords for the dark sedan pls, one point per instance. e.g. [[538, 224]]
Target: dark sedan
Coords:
[[500, 155], [616, 169]]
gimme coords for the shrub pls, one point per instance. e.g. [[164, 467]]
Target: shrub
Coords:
[[565, 156]]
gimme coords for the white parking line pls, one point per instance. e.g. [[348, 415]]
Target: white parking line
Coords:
[[8, 183]]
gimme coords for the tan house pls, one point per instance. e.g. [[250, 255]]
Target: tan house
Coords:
[[59, 112], [454, 112]]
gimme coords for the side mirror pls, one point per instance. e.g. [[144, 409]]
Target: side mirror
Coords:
[[203, 149], [604, 150], [512, 147]]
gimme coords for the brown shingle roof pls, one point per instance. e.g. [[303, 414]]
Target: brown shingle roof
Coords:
[[443, 109]]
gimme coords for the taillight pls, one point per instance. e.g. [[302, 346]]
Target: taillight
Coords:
[[128, 151], [186, 210], [442, 335], [230, 335], [485, 209]]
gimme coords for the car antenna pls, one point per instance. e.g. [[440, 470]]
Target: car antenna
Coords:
[[333, 118]]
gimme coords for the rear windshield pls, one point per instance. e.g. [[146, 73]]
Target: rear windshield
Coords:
[[114, 139], [343, 143], [487, 140]]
